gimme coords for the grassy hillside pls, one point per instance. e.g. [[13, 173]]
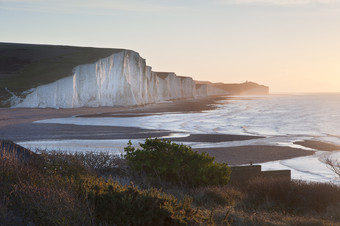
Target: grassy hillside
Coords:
[[24, 66]]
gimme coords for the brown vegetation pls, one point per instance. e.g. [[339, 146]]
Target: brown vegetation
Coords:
[[84, 189]]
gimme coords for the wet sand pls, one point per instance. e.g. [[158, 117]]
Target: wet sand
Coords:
[[213, 138], [177, 106], [16, 125], [322, 146], [47, 131], [11, 116], [255, 154]]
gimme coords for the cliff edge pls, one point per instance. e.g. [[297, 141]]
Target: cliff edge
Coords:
[[47, 76], [44, 76]]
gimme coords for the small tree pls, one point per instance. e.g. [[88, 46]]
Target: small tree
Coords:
[[176, 163], [334, 165]]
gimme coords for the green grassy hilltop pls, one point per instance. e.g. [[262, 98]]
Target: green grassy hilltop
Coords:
[[25, 66]]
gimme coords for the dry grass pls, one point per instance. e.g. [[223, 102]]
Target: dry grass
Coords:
[[37, 191], [268, 202], [216, 196], [293, 197], [45, 191], [65, 189], [260, 218]]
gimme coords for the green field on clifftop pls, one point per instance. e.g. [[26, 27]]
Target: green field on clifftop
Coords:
[[25, 66]]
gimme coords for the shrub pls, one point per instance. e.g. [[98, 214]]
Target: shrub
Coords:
[[76, 164], [62, 164], [215, 196], [176, 163], [292, 196], [334, 165], [49, 205], [41, 191], [127, 205], [103, 163]]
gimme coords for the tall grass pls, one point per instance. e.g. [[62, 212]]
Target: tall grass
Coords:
[[293, 197], [66, 189], [39, 190], [59, 188]]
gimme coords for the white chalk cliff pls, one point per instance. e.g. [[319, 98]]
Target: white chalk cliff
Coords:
[[203, 90], [123, 79]]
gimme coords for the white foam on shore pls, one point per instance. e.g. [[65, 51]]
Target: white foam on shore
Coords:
[[267, 116], [282, 119], [308, 168]]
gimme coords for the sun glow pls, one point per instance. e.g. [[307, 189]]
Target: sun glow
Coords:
[[288, 45]]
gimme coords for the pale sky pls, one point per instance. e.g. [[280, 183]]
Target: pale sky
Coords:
[[289, 45]]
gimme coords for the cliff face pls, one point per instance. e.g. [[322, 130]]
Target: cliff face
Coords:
[[203, 90], [121, 79], [68, 77]]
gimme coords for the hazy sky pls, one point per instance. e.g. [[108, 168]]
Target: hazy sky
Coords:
[[289, 45]]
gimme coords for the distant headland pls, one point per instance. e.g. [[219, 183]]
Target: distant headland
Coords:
[[246, 88]]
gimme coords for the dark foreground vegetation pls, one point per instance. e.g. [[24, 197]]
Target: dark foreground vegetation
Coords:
[[55, 188]]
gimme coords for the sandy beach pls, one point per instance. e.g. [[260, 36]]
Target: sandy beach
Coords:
[[10, 116], [17, 125], [322, 146], [253, 154]]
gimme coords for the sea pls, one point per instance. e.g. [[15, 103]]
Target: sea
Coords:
[[282, 119]]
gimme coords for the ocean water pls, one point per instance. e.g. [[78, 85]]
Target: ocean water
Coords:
[[282, 119]]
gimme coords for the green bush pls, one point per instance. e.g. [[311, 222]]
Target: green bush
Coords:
[[176, 163], [128, 205]]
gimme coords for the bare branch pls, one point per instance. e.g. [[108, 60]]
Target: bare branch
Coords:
[[334, 165]]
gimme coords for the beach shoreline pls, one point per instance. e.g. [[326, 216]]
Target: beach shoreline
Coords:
[[11, 116], [17, 124]]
